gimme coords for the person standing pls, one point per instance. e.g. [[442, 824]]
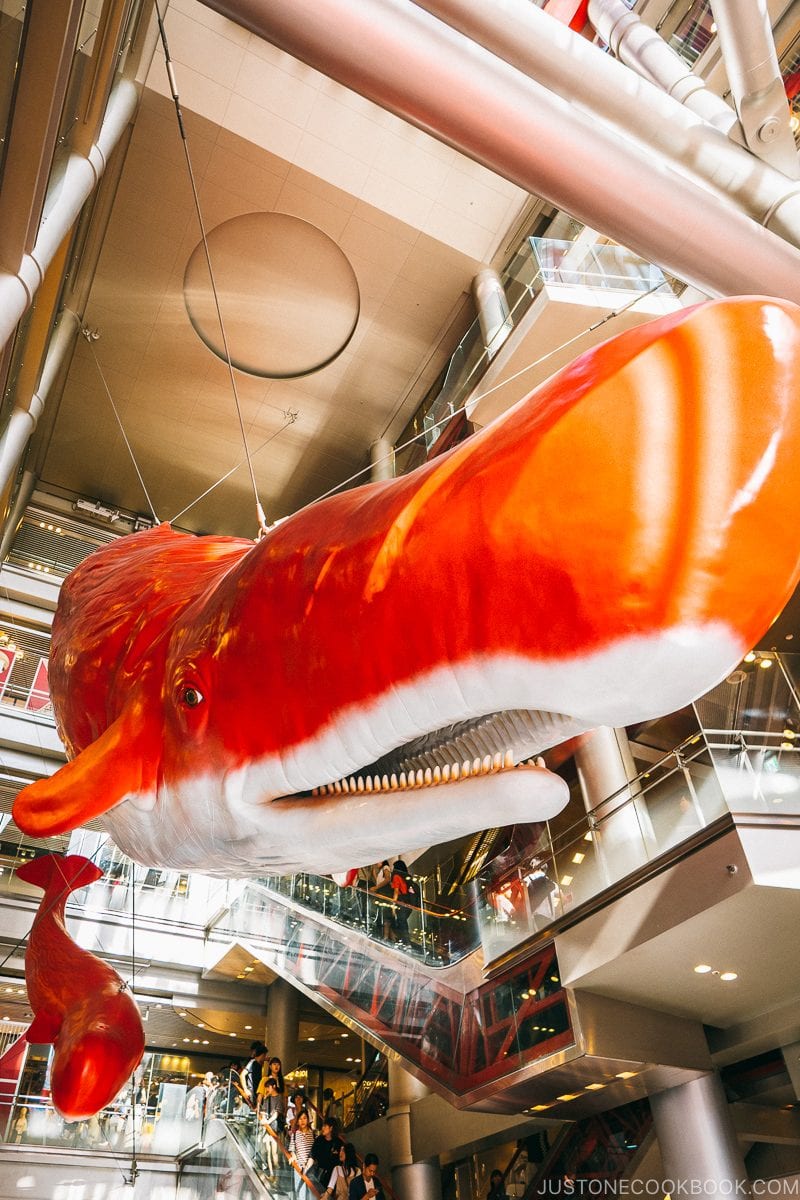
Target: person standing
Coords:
[[271, 1109], [250, 1077], [497, 1187], [300, 1144], [367, 1183], [325, 1152], [343, 1173]]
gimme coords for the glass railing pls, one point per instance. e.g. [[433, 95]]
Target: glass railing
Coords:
[[216, 1169], [151, 1115], [664, 806], [746, 759], [694, 32], [436, 934], [538, 263]]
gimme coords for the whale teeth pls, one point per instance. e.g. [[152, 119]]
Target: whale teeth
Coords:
[[430, 776]]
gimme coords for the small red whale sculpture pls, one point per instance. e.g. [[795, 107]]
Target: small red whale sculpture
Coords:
[[80, 1004], [361, 680]]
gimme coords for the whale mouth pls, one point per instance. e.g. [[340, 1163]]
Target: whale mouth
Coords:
[[493, 744]]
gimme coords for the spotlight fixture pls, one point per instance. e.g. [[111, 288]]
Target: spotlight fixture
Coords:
[[702, 969]]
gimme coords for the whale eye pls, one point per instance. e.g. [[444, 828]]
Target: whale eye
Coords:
[[191, 697]]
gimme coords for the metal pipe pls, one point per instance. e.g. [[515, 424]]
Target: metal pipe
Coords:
[[644, 51], [27, 483], [748, 50], [410, 63], [27, 410], [559, 59], [63, 207], [494, 316]]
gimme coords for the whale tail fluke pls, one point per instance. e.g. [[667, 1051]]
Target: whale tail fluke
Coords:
[[71, 873]]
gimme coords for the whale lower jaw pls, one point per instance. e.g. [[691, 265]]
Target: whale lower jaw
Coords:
[[262, 817]]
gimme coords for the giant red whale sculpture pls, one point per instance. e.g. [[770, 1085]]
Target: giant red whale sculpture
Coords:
[[80, 1003], [361, 679]]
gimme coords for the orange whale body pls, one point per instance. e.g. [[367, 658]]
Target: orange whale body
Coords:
[[79, 1003], [360, 680]]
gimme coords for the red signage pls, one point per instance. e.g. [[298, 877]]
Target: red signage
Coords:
[[39, 695], [7, 660]]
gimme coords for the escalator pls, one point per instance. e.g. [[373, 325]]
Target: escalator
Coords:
[[234, 1161], [594, 1154], [466, 1035]]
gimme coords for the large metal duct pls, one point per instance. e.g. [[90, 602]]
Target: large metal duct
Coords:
[[751, 64], [640, 47], [80, 177], [566, 63], [417, 67]]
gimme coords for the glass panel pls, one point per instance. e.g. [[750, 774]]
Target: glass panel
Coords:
[[694, 32], [12, 33], [463, 1039], [148, 1115]]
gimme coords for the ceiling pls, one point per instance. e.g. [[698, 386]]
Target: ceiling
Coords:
[[264, 134]]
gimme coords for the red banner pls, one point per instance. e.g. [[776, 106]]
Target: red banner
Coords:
[[39, 695], [7, 660]]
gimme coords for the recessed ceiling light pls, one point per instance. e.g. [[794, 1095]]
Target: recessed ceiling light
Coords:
[[626, 1074], [350, 1059], [205, 1041], [587, 837], [186, 1039], [248, 1026], [201, 1024], [311, 1039], [569, 1096], [196, 1041], [595, 1087], [566, 880], [541, 1107], [702, 969], [750, 656], [231, 1035], [727, 976], [765, 663], [578, 858], [358, 1060], [183, 1014]]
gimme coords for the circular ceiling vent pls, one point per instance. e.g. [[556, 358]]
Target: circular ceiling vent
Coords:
[[288, 295]]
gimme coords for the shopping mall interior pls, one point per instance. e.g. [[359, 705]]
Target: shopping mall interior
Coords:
[[254, 255]]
